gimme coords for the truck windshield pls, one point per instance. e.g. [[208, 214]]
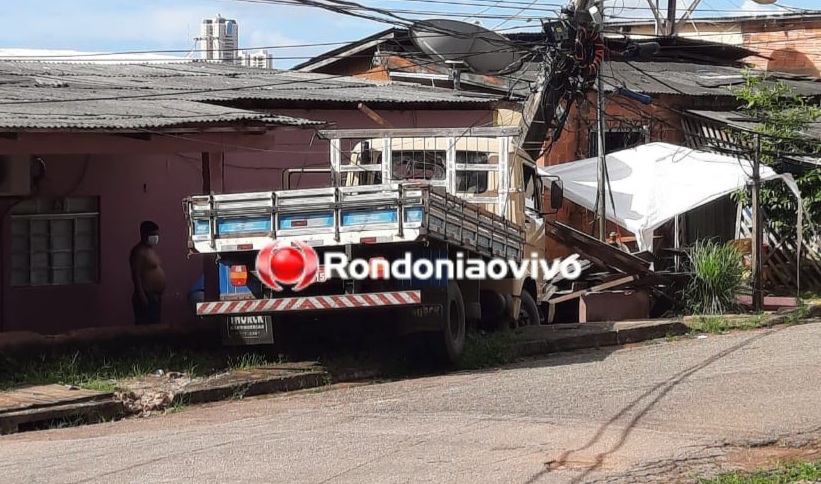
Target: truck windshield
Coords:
[[418, 165]]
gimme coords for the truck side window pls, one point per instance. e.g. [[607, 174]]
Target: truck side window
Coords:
[[471, 181], [532, 193], [368, 156]]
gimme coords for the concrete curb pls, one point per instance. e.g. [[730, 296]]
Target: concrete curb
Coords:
[[590, 339], [810, 311], [94, 411], [253, 387]]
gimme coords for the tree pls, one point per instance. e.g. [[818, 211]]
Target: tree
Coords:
[[783, 119]]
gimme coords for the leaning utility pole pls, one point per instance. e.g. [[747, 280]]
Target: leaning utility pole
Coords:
[[671, 17], [758, 228], [602, 179]]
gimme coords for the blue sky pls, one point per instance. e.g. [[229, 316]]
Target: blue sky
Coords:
[[128, 25]]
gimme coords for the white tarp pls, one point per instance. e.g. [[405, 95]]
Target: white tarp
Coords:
[[653, 183]]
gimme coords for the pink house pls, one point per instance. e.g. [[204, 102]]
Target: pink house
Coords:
[[89, 151]]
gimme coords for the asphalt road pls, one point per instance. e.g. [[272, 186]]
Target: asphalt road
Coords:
[[626, 415]]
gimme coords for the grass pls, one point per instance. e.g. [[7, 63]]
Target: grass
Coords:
[[178, 405], [96, 370], [790, 472], [717, 276], [723, 324], [66, 422], [485, 350], [249, 360]]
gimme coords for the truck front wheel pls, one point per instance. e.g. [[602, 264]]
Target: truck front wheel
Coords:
[[450, 342], [528, 311]]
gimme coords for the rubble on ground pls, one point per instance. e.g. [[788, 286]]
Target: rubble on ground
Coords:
[[153, 393]]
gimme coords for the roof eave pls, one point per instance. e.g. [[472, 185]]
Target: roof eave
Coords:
[[191, 128], [340, 53]]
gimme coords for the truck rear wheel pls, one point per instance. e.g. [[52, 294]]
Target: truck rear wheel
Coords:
[[450, 342]]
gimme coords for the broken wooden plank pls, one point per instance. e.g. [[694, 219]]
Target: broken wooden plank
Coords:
[[601, 287], [598, 251]]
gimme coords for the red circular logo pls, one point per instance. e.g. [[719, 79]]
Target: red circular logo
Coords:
[[287, 265], [293, 264]]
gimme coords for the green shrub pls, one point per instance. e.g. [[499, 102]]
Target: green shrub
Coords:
[[717, 275]]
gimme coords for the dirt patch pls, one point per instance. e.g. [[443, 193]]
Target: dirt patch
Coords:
[[756, 458]]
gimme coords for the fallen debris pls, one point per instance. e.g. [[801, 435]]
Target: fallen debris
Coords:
[[621, 275]]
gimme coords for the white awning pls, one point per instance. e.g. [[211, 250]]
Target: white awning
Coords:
[[653, 183]]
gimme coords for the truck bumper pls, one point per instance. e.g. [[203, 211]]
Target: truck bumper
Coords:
[[310, 303]]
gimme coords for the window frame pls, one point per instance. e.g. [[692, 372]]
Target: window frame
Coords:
[[538, 202], [60, 211]]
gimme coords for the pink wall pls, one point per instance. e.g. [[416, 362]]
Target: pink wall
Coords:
[[137, 180]]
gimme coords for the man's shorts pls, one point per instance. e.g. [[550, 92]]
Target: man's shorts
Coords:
[[150, 313]]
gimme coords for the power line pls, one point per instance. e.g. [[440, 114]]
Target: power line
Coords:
[[164, 61], [110, 57], [179, 51]]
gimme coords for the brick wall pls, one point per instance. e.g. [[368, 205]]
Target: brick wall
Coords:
[[793, 47], [661, 121]]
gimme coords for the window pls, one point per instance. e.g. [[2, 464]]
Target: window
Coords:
[[55, 241], [428, 165], [472, 181], [418, 165], [532, 189], [615, 141]]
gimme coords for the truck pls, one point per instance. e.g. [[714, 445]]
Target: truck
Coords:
[[420, 194]]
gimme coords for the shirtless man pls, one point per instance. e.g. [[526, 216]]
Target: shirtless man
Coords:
[[147, 275]]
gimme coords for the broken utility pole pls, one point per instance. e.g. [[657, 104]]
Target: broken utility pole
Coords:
[[602, 180]]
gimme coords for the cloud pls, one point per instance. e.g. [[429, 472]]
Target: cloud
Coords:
[[108, 25]]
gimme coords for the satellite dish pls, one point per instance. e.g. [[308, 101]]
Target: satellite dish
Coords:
[[483, 51]]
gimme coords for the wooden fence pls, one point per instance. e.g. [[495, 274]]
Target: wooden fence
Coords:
[[780, 259]]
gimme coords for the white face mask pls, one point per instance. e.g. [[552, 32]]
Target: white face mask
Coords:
[[153, 239]]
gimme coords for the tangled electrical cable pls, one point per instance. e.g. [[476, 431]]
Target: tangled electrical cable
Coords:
[[589, 50]]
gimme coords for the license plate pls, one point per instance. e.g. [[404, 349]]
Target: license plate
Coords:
[[427, 311], [248, 330]]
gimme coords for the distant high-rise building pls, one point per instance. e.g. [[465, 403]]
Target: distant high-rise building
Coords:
[[219, 39], [260, 59]]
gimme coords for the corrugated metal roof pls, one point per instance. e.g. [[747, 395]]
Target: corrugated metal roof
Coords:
[[741, 121], [221, 81], [86, 96], [131, 114], [676, 78], [693, 79], [47, 112]]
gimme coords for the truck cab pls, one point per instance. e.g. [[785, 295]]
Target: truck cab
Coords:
[[489, 172]]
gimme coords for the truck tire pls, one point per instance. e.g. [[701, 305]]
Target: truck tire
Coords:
[[450, 342], [528, 312]]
